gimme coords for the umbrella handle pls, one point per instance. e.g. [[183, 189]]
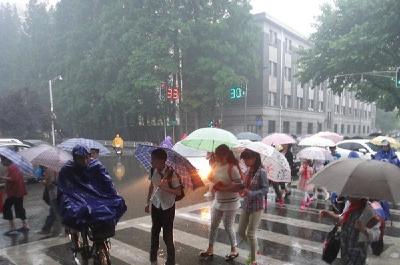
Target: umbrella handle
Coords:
[[154, 193]]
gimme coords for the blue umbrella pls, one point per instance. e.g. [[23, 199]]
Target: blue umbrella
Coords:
[[69, 144], [249, 136], [182, 166], [18, 160]]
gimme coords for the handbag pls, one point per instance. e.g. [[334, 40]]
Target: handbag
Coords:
[[331, 245]]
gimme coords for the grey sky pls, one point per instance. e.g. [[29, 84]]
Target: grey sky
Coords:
[[297, 14]]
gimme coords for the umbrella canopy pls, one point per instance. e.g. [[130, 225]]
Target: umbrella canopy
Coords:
[[167, 142], [315, 153], [45, 155], [188, 151], [249, 136], [393, 142], [359, 178], [334, 137], [69, 144], [276, 139], [188, 173], [316, 141], [275, 163], [208, 139], [24, 165]]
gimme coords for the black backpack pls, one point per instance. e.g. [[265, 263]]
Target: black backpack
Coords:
[[171, 171]]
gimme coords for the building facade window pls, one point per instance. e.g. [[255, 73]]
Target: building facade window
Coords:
[[288, 74], [335, 128], [310, 128], [348, 129], [364, 129], [311, 104], [273, 37], [300, 103], [273, 69], [342, 129], [343, 111], [336, 109], [287, 101], [271, 126], [272, 98], [299, 128], [319, 127], [320, 106], [368, 130], [354, 129], [286, 127]]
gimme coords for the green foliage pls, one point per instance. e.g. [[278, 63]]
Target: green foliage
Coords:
[[387, 121], [23, 115], [113, 55], [356, 36]]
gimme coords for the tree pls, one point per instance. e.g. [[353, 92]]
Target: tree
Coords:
[[387, 121], [10, 52], [23, 114], [356, 36]]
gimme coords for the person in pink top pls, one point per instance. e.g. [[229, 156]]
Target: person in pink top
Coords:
[[306, 171], [15, 190]]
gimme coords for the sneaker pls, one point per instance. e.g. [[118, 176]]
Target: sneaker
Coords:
[[281, 202], [302, 205]]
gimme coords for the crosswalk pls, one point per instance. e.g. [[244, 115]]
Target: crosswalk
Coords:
[[286, 236]]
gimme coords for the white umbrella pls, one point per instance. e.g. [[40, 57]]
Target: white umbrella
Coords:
[[316, 141], [46, 155], [335, 137], [315, 153], [275, 163]]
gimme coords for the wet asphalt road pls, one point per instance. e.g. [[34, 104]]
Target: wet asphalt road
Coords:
[[286, 235]]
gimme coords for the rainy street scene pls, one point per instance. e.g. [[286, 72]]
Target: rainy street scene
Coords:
[[194, 132]]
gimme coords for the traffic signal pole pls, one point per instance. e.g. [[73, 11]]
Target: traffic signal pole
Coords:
[[245, 109]]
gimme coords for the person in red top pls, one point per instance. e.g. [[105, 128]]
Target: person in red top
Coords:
[[15, 190]]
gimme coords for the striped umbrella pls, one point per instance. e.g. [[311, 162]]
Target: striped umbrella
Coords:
[[182, 166], [24, 165], [69, 144], [45, 155]]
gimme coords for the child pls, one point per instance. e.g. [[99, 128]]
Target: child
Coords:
[[306, 171]]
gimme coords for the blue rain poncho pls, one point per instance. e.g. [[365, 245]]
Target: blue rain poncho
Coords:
[[88, 197]]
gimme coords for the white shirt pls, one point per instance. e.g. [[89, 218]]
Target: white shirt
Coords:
[[162, 199], [226, 200]]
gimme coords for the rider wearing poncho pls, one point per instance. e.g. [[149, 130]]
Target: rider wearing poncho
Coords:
[[86, 193]]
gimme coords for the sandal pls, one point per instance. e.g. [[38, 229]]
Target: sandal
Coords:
[[231, 256], [206, 254]]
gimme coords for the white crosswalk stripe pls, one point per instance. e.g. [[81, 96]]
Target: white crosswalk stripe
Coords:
[[296, 239]]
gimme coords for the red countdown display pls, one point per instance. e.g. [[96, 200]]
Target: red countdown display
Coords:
[[173, 93]]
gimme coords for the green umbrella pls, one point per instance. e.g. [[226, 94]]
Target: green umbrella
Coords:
[[208, 139]]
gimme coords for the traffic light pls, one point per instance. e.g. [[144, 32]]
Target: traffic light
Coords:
[[173, 93], [398, 77], [236, 93]]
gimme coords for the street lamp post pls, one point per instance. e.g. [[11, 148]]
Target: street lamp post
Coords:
[[53, 116]]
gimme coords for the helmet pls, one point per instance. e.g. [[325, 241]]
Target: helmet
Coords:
[[80, 150]]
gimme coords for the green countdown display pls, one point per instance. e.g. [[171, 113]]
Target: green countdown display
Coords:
[[236, 93]]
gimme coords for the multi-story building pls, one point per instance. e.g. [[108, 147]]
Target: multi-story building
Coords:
[[279, 102]]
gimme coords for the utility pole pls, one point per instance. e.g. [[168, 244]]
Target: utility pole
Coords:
[[245, 109]]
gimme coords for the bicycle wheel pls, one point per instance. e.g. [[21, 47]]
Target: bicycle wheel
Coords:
[[102, 254]]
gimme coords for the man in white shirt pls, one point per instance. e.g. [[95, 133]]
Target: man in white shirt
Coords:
[[163, 189]]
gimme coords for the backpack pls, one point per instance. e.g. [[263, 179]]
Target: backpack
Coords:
[[171, 171]]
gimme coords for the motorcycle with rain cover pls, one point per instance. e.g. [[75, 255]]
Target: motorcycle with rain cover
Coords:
[[90, 208]]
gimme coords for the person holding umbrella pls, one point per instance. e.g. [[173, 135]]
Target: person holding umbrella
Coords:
[[15, 190], [256, 188], [306, 171], [354, 250], [228, 183], [165, 186]]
